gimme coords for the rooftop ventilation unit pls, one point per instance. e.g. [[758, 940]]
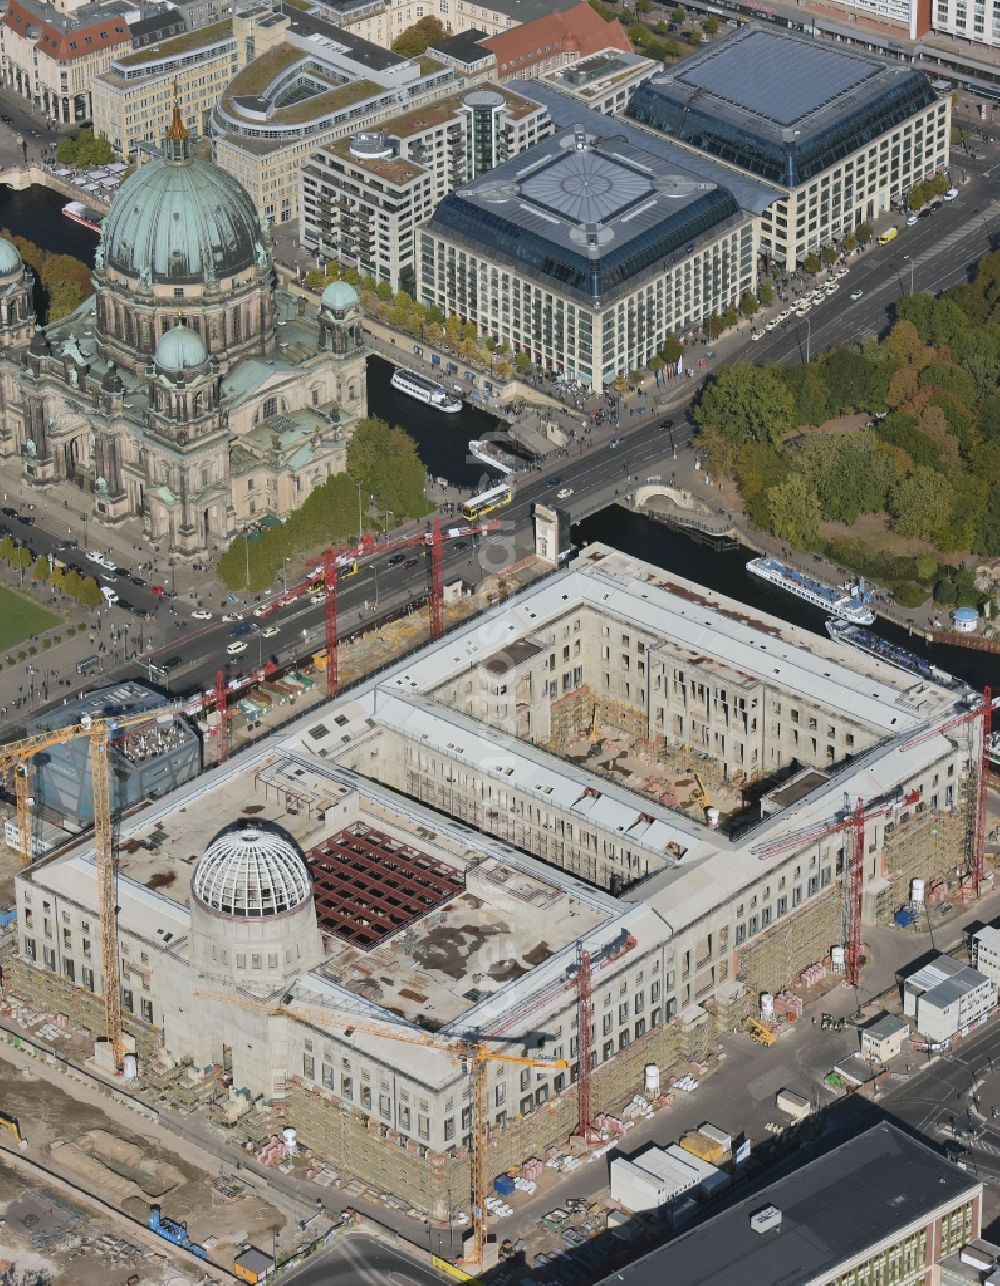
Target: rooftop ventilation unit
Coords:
[[766, 1220]]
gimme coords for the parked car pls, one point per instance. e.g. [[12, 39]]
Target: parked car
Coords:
[[240, 628], [109, 594], [237, 648], [951, 194], [269, 631]]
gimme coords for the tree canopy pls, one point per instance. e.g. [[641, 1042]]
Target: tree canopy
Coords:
[[84, 149], [381, 458], [926, 460], [748, 403], [412, 42]]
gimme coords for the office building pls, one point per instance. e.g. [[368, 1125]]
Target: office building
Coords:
[[316, 84], [361, 199], [50, 55], [844, 134], [879, 1208], [589, 250], [604, 81]]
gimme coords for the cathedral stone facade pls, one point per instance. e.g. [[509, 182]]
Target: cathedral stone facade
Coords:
[[188, 391]]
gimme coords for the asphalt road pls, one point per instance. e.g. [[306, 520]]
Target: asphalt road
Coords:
[[195, 651], [357, 1260], [942, 250]]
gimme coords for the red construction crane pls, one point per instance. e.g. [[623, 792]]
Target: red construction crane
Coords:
[[333, 563], [856, 818], [437, 587], [332, 662], [223, 713], [584, 1042]]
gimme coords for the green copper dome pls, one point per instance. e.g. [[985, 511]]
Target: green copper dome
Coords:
[[180, 349], [10, 260], [181, 219], [339, 296]]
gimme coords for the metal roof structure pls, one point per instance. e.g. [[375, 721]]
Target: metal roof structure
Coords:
[[777, 82], [778, 105], [752, 194], [864, 1193]]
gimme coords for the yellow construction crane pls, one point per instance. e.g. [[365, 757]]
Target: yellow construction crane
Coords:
[[473, 1053], [17, 757], [704, 798]]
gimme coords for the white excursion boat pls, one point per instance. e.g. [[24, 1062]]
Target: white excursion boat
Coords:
[[413, 384]]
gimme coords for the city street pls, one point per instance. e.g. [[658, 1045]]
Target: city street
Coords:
[[358, 1260]]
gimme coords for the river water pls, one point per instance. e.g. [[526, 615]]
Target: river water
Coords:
[[443, 443]]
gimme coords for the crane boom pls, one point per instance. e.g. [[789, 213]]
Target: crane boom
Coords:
[[473, 1053]]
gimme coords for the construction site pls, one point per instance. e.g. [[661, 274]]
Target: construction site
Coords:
[[443, 925]]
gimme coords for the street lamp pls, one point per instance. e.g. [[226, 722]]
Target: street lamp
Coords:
[[284, 575], [908, 259], [808, 338], [246, 544], [360, 523]]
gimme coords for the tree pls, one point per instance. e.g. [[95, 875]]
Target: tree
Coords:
[[412, 42], [748, 304], [793, 510], [711, 25], [90, 594], [671, 349], [765, 292], [522, 362], [921, 504], [730, 317], [812, 395], [850, 242], [988, 535], [865, 232], [644, 6], [715, 326], [679, 16], [829, 255], [315, 279], [748, 403], [811, 263], [66, 281], [41, 569], [84, 150]]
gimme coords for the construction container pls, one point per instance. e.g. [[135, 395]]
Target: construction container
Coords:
[[713, 1132], [793, 1104], [700, 1145], [504, 1184], [651, 1078], [262, 698], [271, 691]]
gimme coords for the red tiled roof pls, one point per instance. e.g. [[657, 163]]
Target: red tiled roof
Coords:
[[577, 30], [66, 45]]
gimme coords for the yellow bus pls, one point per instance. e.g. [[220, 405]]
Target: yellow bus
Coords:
[[487, 501], [890, 234]]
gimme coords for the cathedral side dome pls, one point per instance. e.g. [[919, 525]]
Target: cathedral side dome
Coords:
[[182, 219], [248, 871], [180, 349], [339, 297], [10, 260]]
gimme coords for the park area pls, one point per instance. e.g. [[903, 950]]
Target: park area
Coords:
[[20, 618]]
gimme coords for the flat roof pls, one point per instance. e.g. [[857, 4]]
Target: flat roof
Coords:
[[465, 47], [594, 210], [779, 104], [833, 1209]]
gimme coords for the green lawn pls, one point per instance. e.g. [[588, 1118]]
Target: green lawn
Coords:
[[20, 618]]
